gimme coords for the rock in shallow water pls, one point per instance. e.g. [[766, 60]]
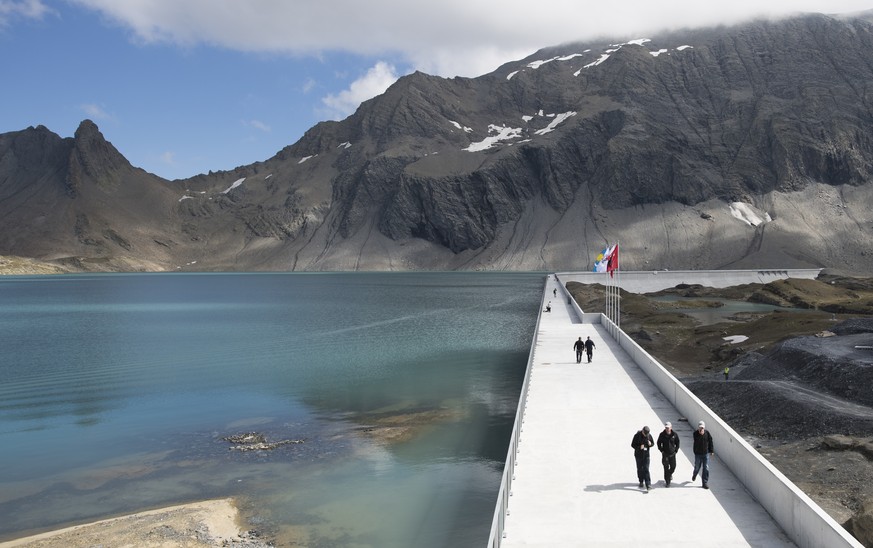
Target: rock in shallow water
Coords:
[[255, 441]]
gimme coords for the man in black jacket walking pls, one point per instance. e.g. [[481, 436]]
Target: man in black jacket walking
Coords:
[[589, 348], [703, 449], [579, 347], [641, 443], [668, 445]]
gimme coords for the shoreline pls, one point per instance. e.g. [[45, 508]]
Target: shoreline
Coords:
[[208, 523]]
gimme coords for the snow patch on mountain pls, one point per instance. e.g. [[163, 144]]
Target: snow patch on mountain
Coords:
[[459, 126], [234, 185], [748, 214], [501, 133], [538, 64], [559, 118], [602, 58]]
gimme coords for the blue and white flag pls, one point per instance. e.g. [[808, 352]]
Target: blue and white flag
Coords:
[[602, 259]]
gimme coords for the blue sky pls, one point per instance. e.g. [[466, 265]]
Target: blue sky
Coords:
[[182, 87]]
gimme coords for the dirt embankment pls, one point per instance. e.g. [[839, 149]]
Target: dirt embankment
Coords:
[[800, 379], [20, 266]]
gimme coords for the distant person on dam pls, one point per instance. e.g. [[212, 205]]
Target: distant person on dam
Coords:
[[642, 442], [579, 347], [727, 371], [668, 445], [589, 348], [703, 450]]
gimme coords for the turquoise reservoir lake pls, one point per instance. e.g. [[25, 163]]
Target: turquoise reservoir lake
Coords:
[[116, 391]]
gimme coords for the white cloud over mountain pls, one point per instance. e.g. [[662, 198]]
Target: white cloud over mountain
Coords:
[[451, 38], [28, 9], [96, 112], [257, 124], [373, 83]]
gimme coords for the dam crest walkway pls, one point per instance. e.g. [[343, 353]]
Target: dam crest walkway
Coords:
[[573, 479]]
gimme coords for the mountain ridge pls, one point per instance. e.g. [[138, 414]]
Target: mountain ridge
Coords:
[[535, 166]]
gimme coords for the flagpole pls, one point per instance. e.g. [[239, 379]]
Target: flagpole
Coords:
[[610, 263], [611, 296], [606, 294], [609, 308], [606, 286], [613, 285], [615, 292], [618, 286], [606, 297], [609, 280]]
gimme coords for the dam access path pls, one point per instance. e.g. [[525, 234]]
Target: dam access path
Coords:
[[571, 475]]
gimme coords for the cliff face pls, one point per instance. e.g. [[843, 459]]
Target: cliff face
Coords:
[[770, 108], [733, 147]]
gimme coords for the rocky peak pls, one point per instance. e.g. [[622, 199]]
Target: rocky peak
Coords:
[[29, 149], [94, 158]]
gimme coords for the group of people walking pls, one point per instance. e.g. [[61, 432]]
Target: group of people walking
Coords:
[[581, 346], [668, 444]]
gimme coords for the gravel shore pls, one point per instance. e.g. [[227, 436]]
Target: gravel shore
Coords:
[[204, 524]]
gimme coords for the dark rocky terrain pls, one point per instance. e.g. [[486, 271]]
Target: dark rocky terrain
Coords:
[[799, 387], [729, 147]]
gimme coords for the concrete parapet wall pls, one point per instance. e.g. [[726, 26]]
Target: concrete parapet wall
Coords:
[[654, 280], [800, 517], [577, 315]]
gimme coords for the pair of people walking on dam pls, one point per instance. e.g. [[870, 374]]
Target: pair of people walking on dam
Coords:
[[581, 346], [668, 444]]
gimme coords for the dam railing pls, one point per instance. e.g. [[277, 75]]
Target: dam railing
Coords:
[[502, 508]]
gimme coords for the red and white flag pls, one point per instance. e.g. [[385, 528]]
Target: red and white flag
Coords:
[[612, 261]]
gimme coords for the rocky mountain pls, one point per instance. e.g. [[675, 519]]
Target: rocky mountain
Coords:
[[78, 201], [740, 147]]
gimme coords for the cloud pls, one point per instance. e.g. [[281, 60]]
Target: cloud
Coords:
[[374, 82], [96, 112], [309, 85], [257, 124], [457, 37], [29, 9], [168, 158]]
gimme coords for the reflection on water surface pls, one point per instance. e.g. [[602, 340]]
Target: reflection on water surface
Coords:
[[116, 392]]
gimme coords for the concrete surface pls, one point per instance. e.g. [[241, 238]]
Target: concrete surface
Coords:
[[654, 280], [575, 479]]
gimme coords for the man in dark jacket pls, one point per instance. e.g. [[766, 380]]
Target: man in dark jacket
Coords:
[[579, 347], [589, 348], [703, 449], [668, 445], [641, 443]]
